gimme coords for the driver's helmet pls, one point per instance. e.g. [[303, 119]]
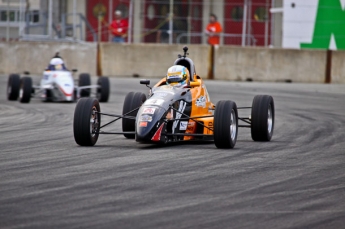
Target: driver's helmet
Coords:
[[178, 75], [56, 64]]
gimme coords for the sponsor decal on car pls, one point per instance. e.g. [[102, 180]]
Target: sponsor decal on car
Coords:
[[145, 118], [149, 110], [201, 101], [142, 124], [154, 102], [183, 125]]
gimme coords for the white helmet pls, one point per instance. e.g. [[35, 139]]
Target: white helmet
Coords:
[[57, 63], [178, 75]]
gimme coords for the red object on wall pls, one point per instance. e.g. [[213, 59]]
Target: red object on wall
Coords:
[[103, 6], [196, 20], [258, 28], [155, 13]]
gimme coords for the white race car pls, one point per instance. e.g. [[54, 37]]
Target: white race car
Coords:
[[57, 85]]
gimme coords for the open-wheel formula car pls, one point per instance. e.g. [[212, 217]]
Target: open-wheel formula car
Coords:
[[56, 85], [176, 113]]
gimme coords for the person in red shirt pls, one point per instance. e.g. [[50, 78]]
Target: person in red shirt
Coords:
[[213, 30], [119, 27]]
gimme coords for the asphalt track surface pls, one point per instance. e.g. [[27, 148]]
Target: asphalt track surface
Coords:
[[295, 181]]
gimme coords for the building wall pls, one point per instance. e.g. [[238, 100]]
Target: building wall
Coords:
[[11, 28], [80, 8]]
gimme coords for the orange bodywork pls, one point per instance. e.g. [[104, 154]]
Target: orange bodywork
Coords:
[[201, 106]]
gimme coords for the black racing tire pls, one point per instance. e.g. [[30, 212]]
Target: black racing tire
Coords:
[[104, 90], [132, 101], [84, 80], [262, 118], [13, 86], [25, 89], [85, 131], [225, 124]]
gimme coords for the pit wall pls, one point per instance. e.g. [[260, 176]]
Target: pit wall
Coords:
[[152, 61]]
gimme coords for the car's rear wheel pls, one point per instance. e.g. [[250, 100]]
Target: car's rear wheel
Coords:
[[13, 86], [25, 89], [84, 80], [225, 124], [262, 118], [87, 121], [130, 108], [104, 89]]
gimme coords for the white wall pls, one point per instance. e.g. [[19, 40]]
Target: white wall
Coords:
[[298, 22]]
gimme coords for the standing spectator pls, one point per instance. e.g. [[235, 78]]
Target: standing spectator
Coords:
[[119, 27], [213, 30]]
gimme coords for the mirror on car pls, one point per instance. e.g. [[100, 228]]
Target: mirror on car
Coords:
[[146, 82]]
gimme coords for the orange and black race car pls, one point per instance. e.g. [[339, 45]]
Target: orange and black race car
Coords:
[[178, 108]]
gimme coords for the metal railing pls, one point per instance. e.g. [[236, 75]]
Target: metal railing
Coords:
[[65, 28], [59, 31]]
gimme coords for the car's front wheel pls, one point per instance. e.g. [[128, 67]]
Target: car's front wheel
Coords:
[[262, 118], [84, 80], [87, 121], [25, 89], [13, 86], [104, 89], [225, 124], [130, 108]]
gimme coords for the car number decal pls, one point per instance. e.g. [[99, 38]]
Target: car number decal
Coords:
[[154, 102]]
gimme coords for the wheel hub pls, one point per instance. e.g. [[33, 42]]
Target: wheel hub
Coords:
[[269, 119], [94, 122], [233, 125]]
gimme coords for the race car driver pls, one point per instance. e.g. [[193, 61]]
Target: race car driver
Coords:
[[178, 76], [56, 64]]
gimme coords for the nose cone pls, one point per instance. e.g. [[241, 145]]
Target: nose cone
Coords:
[[148, 121], [65, 83]]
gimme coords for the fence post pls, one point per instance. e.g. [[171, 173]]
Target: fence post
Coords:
[[244, 23], [328, 75], [210, 73]]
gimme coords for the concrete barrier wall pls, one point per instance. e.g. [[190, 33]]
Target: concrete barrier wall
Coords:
[[153, 60], [17, 57], [262, 64], [149, 60], [338, 67]]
